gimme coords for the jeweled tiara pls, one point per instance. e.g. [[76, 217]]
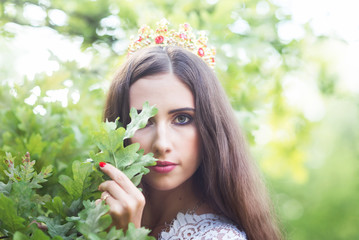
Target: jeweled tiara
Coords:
[[184, 37]]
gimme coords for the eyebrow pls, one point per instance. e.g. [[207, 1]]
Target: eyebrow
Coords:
[[181, 110]]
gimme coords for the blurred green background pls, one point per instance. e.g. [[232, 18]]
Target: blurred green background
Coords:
[[290, 69]]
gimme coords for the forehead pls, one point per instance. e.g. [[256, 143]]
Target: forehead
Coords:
[[161, 90]]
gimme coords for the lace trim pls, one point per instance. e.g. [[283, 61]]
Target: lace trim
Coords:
[[205, 226]]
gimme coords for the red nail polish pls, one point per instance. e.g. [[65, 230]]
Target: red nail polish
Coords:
[[102, 164]]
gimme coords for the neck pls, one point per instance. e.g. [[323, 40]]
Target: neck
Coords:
[[162, 206]]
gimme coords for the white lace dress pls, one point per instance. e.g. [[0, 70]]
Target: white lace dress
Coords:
[[202, 227]]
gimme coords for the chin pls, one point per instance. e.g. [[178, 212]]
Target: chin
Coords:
[[160, 184], [161, 187]]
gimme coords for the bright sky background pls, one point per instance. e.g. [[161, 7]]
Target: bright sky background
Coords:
[[339, 19]]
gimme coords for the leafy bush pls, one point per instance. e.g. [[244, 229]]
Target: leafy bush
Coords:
[[71, 213]]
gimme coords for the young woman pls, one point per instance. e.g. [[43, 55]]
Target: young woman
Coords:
[[204, 185]]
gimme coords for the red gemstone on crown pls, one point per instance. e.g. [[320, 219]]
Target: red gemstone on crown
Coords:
[[201, 52], [159, 39]]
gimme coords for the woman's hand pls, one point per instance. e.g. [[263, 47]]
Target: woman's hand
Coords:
[[125, 200]]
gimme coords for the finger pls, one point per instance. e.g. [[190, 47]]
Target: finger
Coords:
[[117, 207], [114, 189], [104, 196], [98, 201], [120, 215], [118, 176]]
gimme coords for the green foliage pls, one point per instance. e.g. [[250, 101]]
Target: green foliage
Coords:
[[128, 159], [19, 201], [57, 230], [80, 186], [37, 234], [140, 122], [22, 207], [50, 138], [9, 219], [25, 171], [93, 221]]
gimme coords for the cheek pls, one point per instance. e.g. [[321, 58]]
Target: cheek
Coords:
[[191, 144], [143, 140]]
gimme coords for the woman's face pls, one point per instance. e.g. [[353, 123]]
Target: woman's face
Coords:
[[172, 134]]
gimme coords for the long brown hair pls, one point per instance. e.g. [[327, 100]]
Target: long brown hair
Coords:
[[230, 180]]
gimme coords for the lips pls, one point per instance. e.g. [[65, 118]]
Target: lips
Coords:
[[164, 163], [163, 167]]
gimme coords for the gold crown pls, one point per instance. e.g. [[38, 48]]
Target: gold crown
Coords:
[[184, 37]]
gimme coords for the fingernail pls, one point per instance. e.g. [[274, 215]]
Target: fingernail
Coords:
[[102, 164]]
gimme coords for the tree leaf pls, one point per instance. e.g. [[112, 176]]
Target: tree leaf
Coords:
[[57, 206], [114, 234], [8, 215], [5, 188], [55, 228], [107, 137], [41, 177], [134, 233], [35, 144], [139, 120], [39, 235], [20, 236], [128, 159], [126, 156], [22, 195], [81, 179], [93, 218]]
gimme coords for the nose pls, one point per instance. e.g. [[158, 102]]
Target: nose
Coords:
[[161, 144]]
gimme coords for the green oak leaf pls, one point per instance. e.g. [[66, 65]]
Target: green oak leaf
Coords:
[[114, 234], [23, 196], [8, 215], [20, 236], [25, 171], [93, 218], [5, 188], [56, 229], [81, 179], [57, 206], [35, 144], [41, 177], [134, 233], [39, 235], [108, 137], [139, 120], [127, 156], [129, 159]]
